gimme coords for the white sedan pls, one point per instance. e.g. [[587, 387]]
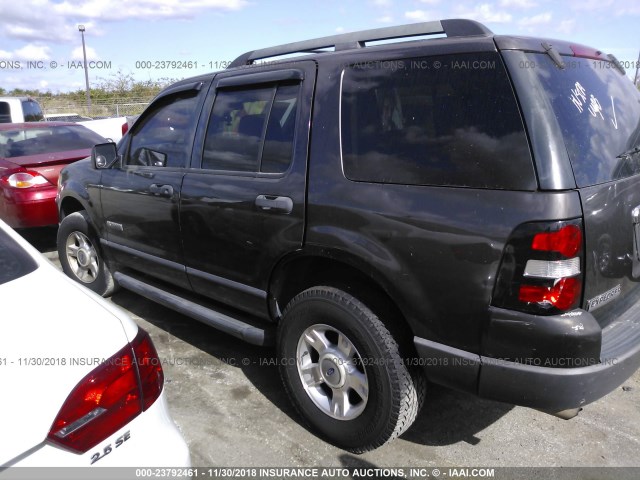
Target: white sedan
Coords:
[[81, 384]]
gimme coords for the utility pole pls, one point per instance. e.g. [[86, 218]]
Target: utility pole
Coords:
[[86, 71]]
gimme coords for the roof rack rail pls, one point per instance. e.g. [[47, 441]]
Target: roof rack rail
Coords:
[[353, 40]]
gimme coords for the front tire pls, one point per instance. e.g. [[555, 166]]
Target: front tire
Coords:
[[79, 254], [343, 370]]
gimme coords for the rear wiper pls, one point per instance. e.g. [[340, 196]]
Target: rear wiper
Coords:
[[617, 64], [554, 54], [628, 153]]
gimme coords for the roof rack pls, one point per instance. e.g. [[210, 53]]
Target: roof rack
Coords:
[[353, 40]]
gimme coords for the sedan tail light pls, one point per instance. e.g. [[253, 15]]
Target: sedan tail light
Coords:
[[110, 396], [25, 179]]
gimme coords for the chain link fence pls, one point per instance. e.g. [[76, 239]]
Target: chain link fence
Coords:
[[99, 108]]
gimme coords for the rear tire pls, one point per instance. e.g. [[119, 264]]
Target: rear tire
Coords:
[[343, 370], [80, 255]]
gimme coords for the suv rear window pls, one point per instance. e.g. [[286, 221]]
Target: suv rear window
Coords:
[[14, 261], [598, 110], [446, 120]]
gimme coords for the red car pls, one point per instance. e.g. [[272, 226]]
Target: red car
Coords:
[[31, 157]]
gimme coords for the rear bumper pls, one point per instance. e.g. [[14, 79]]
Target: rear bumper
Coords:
[[549, 384], [29, 207]]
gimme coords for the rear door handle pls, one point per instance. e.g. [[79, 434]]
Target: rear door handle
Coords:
[[274, 203], [161, 190]]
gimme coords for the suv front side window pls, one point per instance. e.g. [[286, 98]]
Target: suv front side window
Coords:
[[165, 136]]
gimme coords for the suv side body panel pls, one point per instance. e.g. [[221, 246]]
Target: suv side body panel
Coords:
[[141, 201], [80, 187], [233, 228], [432, 245]]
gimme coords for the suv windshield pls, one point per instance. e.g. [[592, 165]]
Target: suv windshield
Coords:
[[14, 261], [598, 110]]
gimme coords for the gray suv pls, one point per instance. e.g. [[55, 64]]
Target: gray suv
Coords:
[[462, 208]]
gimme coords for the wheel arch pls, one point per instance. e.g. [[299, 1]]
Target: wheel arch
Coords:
[[309, 268], [69, 205], [92, 272]]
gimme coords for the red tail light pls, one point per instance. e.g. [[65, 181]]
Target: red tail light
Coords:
[[25, 179], [562, 294], [125, 128], [566, 241], [109, 397], [150, 371], [541, 269]]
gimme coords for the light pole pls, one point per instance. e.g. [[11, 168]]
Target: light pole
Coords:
[[86, 71]]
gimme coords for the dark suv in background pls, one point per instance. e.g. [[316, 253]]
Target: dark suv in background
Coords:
[[464, 209]]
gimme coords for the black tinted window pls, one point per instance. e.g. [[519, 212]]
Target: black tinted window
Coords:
[[252, 130], [14, 261], [447, 120], [598, 110], [164, 137], [236, 129], [278, 144], [32, 111], [5, 113], [46, 139]]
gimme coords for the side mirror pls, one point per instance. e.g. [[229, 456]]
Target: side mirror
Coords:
[[104, 155]]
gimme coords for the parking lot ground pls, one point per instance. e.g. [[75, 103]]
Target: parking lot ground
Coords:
[[226, 396]]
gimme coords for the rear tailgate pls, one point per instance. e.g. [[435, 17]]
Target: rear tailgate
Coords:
[[612, 224], [589, 111]]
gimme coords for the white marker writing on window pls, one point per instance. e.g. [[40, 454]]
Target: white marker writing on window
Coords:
[[595, 108], [578, 96]]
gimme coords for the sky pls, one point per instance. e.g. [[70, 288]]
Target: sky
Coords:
[[41, 47]]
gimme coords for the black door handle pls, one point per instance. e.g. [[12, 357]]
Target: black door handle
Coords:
[[274, 203], [161, 190]]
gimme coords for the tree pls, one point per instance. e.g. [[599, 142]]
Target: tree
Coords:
[[118, 83]]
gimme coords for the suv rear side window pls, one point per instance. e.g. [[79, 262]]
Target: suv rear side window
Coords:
[[446, 120], [252, 130]]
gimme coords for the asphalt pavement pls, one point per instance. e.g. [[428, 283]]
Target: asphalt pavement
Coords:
[[227, 398]]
